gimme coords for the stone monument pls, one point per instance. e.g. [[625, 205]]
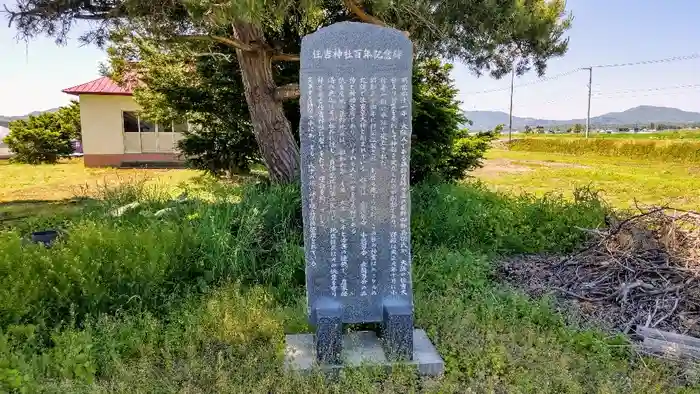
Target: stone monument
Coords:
[[355, 135]]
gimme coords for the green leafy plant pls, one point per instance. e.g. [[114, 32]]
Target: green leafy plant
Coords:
[[44, 138], [440, 148]]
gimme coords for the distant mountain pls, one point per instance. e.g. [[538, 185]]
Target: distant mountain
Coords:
[[643, 114], [5, 120]]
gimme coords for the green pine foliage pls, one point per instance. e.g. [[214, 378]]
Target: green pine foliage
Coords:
[[486, 35]]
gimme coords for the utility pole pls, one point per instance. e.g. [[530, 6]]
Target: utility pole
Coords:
[[510, 115], [590, 86]]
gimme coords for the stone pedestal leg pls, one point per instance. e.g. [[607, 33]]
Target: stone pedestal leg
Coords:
[[397, 330], [327, 316]]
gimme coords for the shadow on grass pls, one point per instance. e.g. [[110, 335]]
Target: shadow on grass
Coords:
[[15, 213]]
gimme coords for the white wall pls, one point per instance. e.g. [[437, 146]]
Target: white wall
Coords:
[[101, 122]]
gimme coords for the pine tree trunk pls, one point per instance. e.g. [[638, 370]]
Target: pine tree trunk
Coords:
[[271, 127]]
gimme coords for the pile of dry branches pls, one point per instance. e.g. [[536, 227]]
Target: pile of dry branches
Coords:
[[641, 271]]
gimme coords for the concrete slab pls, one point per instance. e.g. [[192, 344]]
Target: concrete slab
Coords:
[[362, 348]]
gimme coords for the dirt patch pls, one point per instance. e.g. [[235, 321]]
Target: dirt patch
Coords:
[[494, 167], [642, 271], [500, 166], [553, 164]]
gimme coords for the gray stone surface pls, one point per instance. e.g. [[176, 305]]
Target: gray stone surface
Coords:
[[397, 329], [329, 331], [355, 147], [362, 349]]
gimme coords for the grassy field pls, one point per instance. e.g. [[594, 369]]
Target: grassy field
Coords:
[[661, 135], [48, 190], [621, 181], [199, 299], [681, 151]]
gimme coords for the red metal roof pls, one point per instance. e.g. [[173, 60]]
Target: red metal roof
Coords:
[[103, 85]]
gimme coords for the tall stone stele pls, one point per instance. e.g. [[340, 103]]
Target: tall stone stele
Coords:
[[355, 147]]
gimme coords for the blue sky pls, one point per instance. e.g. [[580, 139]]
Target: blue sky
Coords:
[[604, 32]]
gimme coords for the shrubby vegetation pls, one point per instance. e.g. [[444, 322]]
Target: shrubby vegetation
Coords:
[[45, 138], [440, 149], [201, 297]]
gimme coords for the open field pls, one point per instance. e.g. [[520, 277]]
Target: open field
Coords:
[[661, 135], [50, 189], [620, 180], [199, 300], [21, 182], [681, 151]]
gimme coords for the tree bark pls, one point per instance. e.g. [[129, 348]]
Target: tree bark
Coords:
[[271, 127]]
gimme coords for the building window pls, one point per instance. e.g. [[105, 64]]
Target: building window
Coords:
[[133, 122], [146, 126]]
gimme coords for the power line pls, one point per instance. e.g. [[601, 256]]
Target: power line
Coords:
[[643, 62], [647, 95], [626, 93], [600, 95], [546, 79], [570, 72], [621, 92], [569, 98]]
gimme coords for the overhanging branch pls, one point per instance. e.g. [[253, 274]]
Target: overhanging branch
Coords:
[[231, 42], [234, 43], [365, 17], [60, 8], [287, 92], [214, 54], [360, 13], [285, 57]]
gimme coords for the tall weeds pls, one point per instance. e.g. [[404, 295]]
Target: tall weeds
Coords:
[[199, 299]]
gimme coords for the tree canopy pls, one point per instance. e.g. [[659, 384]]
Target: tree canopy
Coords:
[[46, 137], [487, 35], [490, 36]]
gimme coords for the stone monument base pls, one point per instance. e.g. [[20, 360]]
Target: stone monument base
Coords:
[[362, 348]]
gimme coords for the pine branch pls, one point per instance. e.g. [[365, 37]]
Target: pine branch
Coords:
[[365, 17], [59, 7], [285, 57], [231, 42], [360, 13], [224, 56], [287, 92]]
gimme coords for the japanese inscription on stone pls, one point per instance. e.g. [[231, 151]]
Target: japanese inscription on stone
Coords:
[[355, 145]]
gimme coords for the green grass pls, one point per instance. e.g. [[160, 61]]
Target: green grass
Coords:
[[620, 181], [47, 191], [199, 300], [681, 151], [665, 135]]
